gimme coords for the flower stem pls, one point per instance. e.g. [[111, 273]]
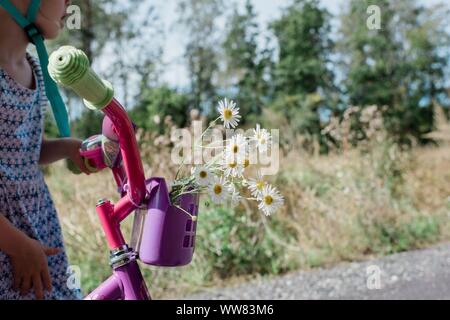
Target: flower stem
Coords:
[[194, 218]]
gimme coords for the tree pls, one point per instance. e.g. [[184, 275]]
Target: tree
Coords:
[[102, 21], [199, 21], [88, 124], [158, 103], [303, 82], [400, 65], [119, 33], [304, 45], [246, 63]]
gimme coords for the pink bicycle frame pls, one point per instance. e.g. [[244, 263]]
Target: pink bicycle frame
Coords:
[[126, 282]]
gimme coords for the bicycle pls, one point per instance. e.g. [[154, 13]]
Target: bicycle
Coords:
[[163, 232]]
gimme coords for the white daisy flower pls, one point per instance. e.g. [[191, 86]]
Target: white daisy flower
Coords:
[[237, 147], [235, 196], [218, 190], [233, 168], [262, 138], [229, 114], [203, 176], [270, 201], [257, 185]]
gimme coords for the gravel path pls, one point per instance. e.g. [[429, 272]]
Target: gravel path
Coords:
[[420, 274]]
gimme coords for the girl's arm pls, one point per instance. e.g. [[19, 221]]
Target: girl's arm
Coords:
[[53, 150]]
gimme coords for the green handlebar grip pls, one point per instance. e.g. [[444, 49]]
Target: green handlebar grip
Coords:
[[70, 67], [72, 167]]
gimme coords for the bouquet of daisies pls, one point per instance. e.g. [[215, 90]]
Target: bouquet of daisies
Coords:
[[230, 176]]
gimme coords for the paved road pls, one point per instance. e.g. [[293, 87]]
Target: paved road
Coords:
[[420, 274]]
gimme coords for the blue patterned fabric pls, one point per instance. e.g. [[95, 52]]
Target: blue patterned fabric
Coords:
[[24, 197]]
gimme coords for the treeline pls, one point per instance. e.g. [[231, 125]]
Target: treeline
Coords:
[[296, 72]]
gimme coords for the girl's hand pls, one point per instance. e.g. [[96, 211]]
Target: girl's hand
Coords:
[[30, 267], [74, 146]]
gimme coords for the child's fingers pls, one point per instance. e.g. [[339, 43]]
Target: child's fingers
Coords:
[[26, 285], [79, 162], [37, 286], [84, 168], [46, 280], [51, 251], [85, 171]]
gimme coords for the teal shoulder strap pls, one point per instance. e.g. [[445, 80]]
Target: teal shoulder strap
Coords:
[[33, 9], [51, 89]]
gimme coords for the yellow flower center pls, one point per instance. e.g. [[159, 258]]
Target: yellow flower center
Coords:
[[268, 200], [203, 174], [232, 165], [235, 148], [227, 114], [246, 163], [260, 185], [217, 189]]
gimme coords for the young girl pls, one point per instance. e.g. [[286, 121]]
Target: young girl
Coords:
[[33, 264]]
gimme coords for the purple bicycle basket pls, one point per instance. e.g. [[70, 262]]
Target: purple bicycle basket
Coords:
[[164, 233]]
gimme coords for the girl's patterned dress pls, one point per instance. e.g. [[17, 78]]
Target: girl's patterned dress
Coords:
[[24, 197]]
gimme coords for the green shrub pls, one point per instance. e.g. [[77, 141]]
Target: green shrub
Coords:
[[235, 243], [391, 237]]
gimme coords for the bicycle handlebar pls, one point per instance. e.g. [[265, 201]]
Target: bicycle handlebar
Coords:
[[70, 67]]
